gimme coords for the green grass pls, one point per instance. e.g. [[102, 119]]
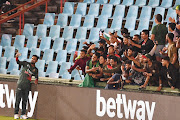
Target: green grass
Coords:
[[10, 118]]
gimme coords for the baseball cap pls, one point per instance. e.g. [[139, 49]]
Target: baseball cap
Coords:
[[149, 56], [177, 7]]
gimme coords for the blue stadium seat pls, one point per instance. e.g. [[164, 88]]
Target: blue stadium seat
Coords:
[[58, 44], [54, 32], [40, 64], [153, 3], [81, 44], [171, 13], [146, 12], [54, 75], [71, 57], [45, 43], [49, 19], [94, 9], [52, 67], [107, 10], [68, 32], [128, 2], [3, 71], [9, 52], [77, 77], [130, 23], [48, 55], [66, 76], [41, 30], [132, 12], [140, 2], [0, 51], [34, 51], [64, 67], [28, 30], [15, 72], [102, 1], [24, 54], [116, 23], [3, 62], [176, 3], [6, 40], [119, 11], [133, 32], [19, 41], [159, 10], [88, 1], [32, 42], [166, 3], [41, 74], [115, 2], [62, 20], [71, 45], [94, 34], [68, 8], [102, 22], [143, 24], [81, 33], [81, 9], [12, 65], [89, 21], [75, 72], [61, 56], [75, 20]]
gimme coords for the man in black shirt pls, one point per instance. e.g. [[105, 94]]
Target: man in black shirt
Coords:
[[24, 84]]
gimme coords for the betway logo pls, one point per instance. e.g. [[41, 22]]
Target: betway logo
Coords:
[[10, 98], [113, 107]]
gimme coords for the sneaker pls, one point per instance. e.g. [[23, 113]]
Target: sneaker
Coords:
[[23, 117], [16, 116]]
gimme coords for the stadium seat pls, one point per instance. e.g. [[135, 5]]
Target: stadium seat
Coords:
[[107, 30], [132, 12], [81, 44], [166, 3], [171, 13], [3, 62], [66, 76], [64, 67], [102, 22], [40, 64], [12, 65], [9, 52], [133, 32], [62, 20], [75, 20], [61, 56], [81, 9], [41, 74], [71, 45], [115, 2], [140, 2], [153, 3], [143, 24], [119, 11], [58, 44], [15, 72], [49, 19], [0, 51], [41, 30], [68, 32], [107, 10], [24, 54], [116, 23], [48, 55], [176, 3], [146, 12], [88, 1], [3, 71], [54, 75], [89, 21], [102, 1], [32, 42], [54, 32], [75, 72], [71, 58], [94, 9], [19, 41], [128, 2], [52, 67], [130, 23], [94, 34], [6, 40], [34, 51], [68, 8], [28, 30], [45, 43], [77, 77], [159, 10], [81, 33]]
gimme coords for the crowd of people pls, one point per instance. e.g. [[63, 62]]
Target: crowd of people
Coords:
[[139, 60]]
